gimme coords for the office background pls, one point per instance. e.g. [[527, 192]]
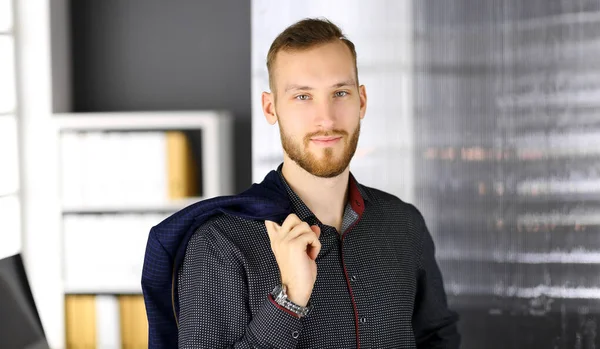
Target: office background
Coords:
[[483, 113]]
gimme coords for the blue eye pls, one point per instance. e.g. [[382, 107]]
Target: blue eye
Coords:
[[302, 97], [341, 93]]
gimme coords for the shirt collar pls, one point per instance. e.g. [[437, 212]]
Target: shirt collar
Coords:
[[356, 197]]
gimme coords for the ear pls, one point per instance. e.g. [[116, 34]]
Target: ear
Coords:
[[268, 107], [362, 92]]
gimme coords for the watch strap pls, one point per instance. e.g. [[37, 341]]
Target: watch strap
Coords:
[[280, 297]]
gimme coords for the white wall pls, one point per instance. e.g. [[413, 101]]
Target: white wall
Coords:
[[10, 234], [382, 33]]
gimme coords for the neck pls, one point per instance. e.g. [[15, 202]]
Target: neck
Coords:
[[325, 197]]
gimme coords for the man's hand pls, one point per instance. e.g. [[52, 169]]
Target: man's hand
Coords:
[[296, 246]]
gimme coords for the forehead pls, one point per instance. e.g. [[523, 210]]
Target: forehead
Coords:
[[323, 64]]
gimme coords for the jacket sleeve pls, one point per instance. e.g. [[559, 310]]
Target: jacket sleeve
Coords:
[[214, 309], [434, 324]]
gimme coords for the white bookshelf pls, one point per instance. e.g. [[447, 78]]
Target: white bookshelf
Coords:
[[129, 222], [42, 101]]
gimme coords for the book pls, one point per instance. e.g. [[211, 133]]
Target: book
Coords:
[[80, 317], [108, 324], [181, 170], [122, 169], [134, 323]]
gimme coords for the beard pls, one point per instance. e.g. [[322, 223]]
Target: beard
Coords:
[[327, 166]]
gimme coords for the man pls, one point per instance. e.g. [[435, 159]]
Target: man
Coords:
[[347, 266]]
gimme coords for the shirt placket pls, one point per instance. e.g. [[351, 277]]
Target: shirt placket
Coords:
[[351, 266]]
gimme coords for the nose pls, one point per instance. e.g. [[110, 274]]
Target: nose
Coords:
[[325, 115]]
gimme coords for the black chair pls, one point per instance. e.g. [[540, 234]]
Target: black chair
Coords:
[[20, 324]]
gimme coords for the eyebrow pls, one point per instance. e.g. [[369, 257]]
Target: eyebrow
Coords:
[[288, 88]]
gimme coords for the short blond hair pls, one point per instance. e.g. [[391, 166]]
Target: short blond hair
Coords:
[[305, 34]]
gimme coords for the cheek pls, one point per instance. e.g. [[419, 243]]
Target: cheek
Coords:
[[296, 120], [347, 114], [291, 127]]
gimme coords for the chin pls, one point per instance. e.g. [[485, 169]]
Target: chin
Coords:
[[329, 169], [330, 173]]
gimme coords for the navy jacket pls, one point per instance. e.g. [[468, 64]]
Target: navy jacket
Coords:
[[168, 240]]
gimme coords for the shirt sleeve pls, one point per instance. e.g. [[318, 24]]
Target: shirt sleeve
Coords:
[[434, 324], [214, 309]]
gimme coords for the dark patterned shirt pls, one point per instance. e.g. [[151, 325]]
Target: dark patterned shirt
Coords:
[[378, 284]]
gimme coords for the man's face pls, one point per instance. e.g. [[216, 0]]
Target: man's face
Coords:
[[318, 105]]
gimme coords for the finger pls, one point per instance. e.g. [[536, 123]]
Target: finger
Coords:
[[307, 238], [316, 229], [298, 230], [313, 250], [290, 222]]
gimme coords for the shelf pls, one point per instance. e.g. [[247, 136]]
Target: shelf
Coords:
[[103, 289], [9, 194], [171, 206], [126, 121]]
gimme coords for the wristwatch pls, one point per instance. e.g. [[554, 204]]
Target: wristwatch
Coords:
[[280, 297]]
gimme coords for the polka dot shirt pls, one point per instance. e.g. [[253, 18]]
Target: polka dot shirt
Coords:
[[378, 284]]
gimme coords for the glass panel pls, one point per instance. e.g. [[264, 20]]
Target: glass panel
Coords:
[[9, 175], [7, 74], [10, 234], [5, 15], [507, 104]]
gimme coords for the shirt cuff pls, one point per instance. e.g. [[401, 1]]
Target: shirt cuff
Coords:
[[275, 326]]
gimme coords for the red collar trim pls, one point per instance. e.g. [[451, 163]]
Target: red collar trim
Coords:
[[356, 200]]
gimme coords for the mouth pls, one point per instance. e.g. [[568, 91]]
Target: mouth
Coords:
[[326, 141]]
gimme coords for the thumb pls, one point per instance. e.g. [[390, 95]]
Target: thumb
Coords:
[[270, 225]]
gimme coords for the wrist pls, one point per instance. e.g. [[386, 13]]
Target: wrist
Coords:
[[281, 297], [293, 294], [296, 298]]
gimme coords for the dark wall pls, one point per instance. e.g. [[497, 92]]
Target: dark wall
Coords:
[[151, 55]]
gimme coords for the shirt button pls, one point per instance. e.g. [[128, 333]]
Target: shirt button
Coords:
[[353, 278], [295, 334], [363, 320]]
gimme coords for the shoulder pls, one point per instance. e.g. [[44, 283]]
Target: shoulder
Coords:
[[390, 204], [228, 235], [396, 218]]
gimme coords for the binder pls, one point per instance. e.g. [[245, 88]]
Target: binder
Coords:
[[80, 316], [181, 172], [108, 327], [134, 324]]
